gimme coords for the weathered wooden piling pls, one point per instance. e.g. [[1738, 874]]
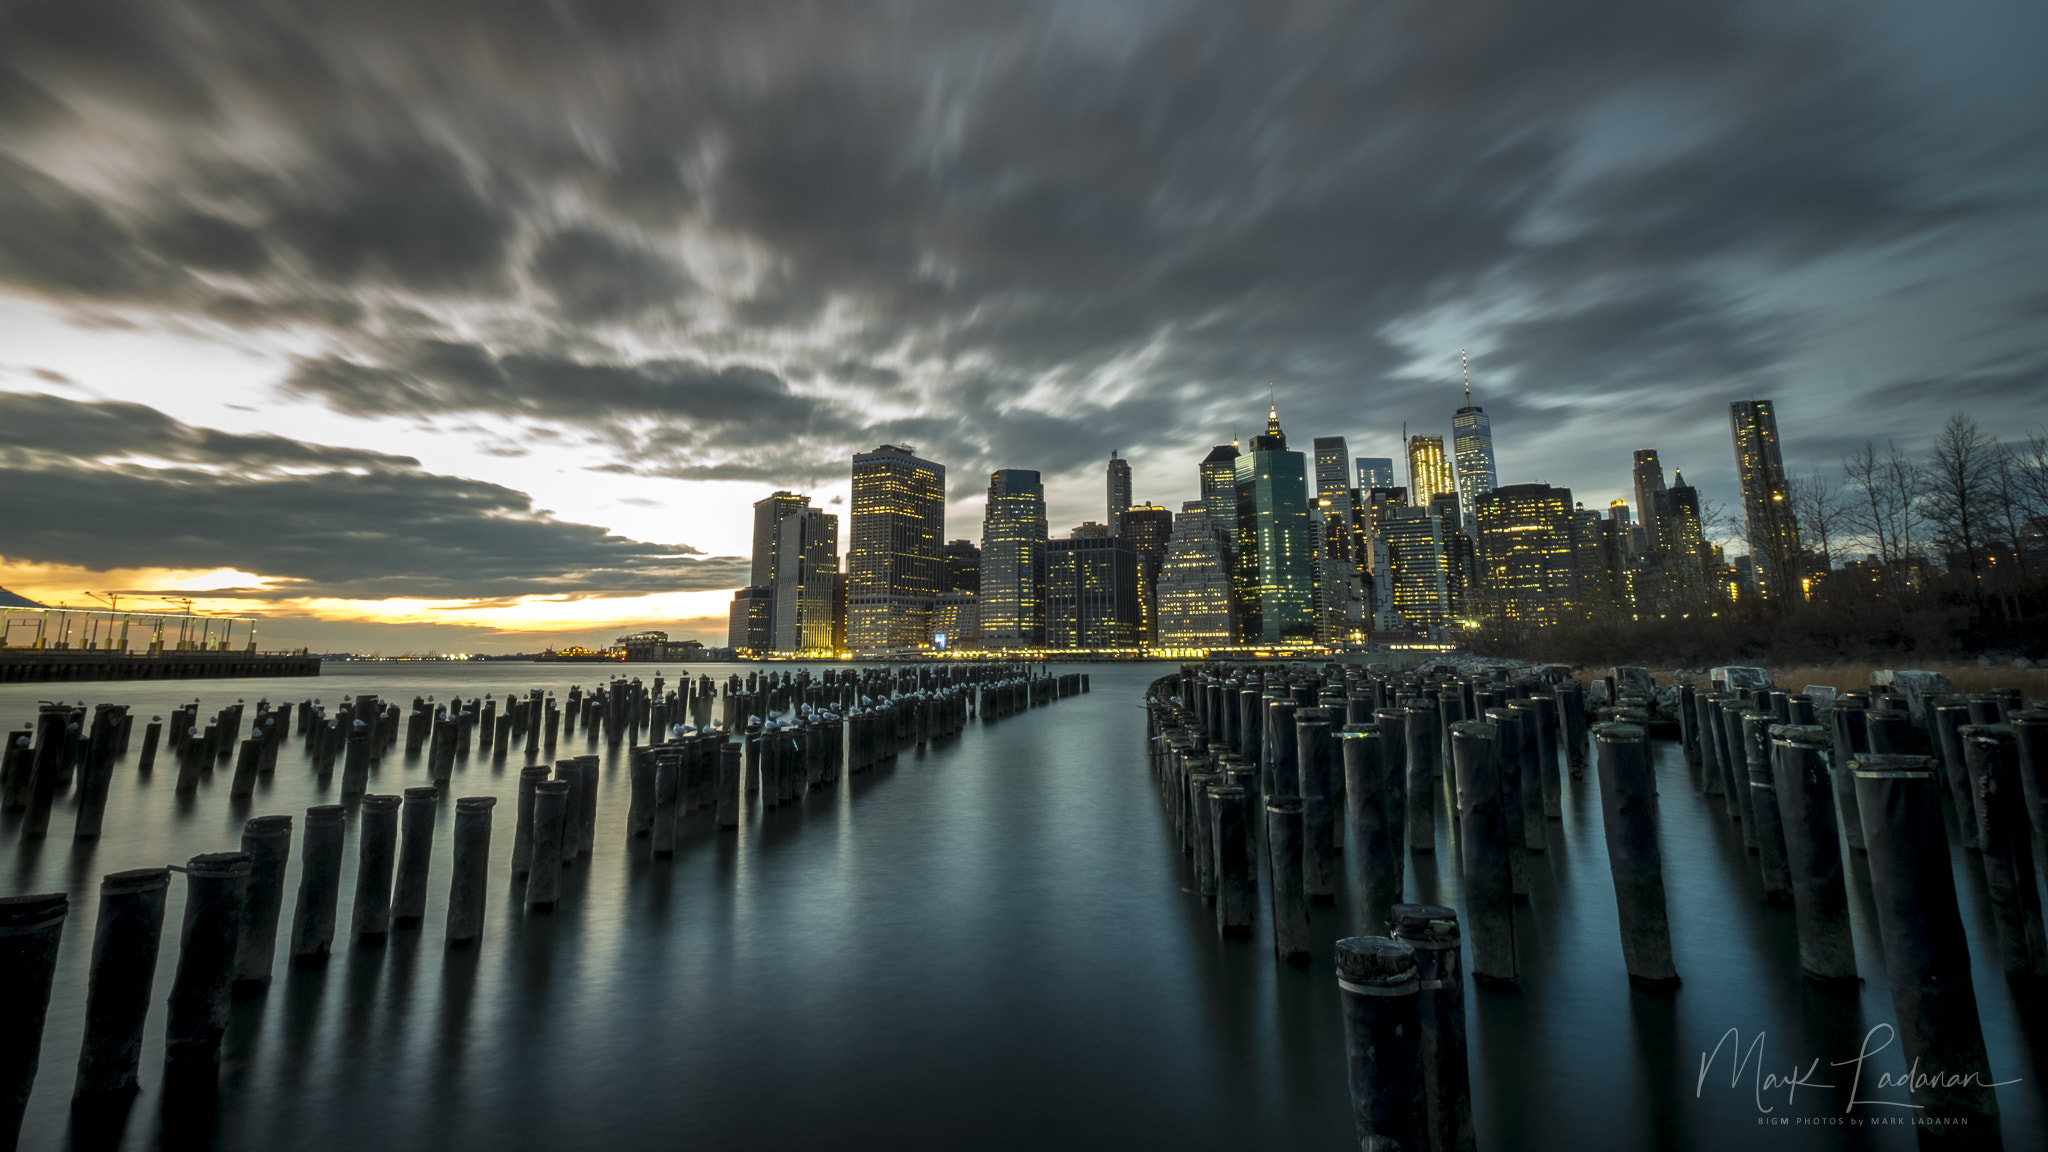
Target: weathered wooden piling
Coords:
[[46, 770], [1483, 848], [124, 949], [1628, 807], [319, 896], [1712, 778], [728, 810], [661, 770], [103, 745], [1380, 990], [1420, 749], [216, 886], [586, 799], [1315, 760], [376, 847], [150, 738], [1927, 958], [551, 813], [1232, 861], [415, 856], [1813, 851], [355, 767], [30, 927], [469, 876], [1530, 777], [1432, 930], [2006, 848], [1376, 806], [1288, 901], [1944, 729], [530, 778], [267, 841], [247, 758], [2030, 735], [1763, 808], [1507, 759], [570, 772], [1846, 727]]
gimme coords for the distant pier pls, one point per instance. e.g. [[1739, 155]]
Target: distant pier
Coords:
[[47, 665]]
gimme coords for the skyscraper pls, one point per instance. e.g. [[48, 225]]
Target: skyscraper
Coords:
[[1375, 472], [1333, 476], [1193, 590], [1429, 474], [1414, 556], [1219, 491], [1091, 593], [750, 621], [1527, 561], [806, 569], [1767, 517], [962, 566], [1275, 542], [769, 513], [1472, 439], [1148, 527], [1119, 492], [892, 564], [1650, 498], [1013, 546]]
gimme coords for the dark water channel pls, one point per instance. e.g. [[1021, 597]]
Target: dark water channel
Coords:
[[988, 944]]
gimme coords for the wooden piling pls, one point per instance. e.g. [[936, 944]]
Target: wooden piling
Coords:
[[415, 856], [1628, 807], [267, 841], [1483, 848], [551, 812], [123, 972], [1380, 989], [1432, 930], [313, 915], [376, 847], [216, 886], [30, 927], [1813, 851], [469, 876], [1288, 901]]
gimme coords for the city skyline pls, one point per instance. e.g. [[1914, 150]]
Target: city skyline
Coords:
[[555, 334]]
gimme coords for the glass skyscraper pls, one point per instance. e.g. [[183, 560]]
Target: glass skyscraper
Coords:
[[1375, 472], [1011, 604], [1472, 439], [892, 564], [1333, 474], [1119, 492], [1527, 562], [1275, 541], [806, 568]]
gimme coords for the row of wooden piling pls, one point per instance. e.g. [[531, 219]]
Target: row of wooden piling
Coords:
[[1219, 732], [235, 900]]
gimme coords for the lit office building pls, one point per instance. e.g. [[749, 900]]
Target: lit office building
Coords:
[[1148, 527], [769, 513], [750, 622], [892, 562], [1193, 590], [1472, 440], [1767, 517], [1650, 499], [1333, 467], [1429, 474], [1091, 593], [806, 569], [1414, 567], [1013, 554], [1526, 559]]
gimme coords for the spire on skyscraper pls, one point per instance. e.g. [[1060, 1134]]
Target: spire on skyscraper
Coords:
[[1466, 365], [1273, 420]]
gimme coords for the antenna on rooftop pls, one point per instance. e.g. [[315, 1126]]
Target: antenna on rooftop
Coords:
[[1467, 366]]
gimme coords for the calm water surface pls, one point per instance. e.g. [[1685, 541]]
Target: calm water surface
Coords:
[[987, 944]]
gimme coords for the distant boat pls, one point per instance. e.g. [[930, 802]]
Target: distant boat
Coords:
[[578, 654]]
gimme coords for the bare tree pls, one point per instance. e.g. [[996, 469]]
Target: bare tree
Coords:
[[1883, 499], [1959, 477], [1821, 508]]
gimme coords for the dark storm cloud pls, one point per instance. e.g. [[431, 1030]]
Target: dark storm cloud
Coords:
[[319, 520], [732, 240]]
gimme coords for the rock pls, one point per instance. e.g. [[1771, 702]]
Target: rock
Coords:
[[1553, 673], [1632, 681], [1596, 692], [1666, 699], [1921, 689], [1983, 661], [1740, 676], [2022, 662], [1822, 695]]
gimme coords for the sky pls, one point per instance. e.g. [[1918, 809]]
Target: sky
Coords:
[[435, 327]]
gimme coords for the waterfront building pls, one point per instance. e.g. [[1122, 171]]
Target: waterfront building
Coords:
[[1276, 546], [1013, 554], [1526, 559], [1119, 492], [960, 567], [1414, 567], [806, 568], [892, 560], [956, 621], [1193, 589], [1429, 474], [750, 621], [1091, 593], [1767, 516]]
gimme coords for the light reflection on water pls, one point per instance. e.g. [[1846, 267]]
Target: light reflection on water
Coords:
[[987, 944]]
